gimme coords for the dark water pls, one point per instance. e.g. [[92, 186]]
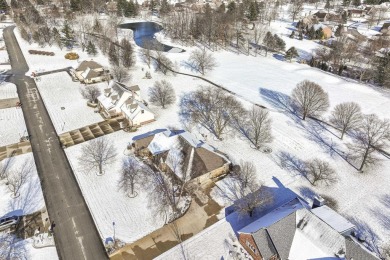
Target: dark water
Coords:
[[144, 33]]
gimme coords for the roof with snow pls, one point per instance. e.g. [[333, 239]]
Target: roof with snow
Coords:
[[333, 219], [196, 157], [294, 232], [89, 64]]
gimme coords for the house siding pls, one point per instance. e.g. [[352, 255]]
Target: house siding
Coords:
[[247, 238]]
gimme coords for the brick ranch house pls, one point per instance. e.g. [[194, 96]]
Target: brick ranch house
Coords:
[[198, 162], [120, 100], [294, 231], [90, 72]]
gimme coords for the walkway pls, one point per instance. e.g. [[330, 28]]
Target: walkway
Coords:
[[11, 150], [91, 132]]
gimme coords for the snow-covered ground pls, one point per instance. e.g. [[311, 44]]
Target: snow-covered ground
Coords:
[[263, 80], [132, 216], [24, 249], [8, 90], [12, 125], [67, 108], [31, 197]]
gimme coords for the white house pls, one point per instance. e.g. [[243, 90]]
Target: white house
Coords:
[[120, 100], [91, 72]]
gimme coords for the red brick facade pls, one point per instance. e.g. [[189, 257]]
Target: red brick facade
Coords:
[[246, 240]]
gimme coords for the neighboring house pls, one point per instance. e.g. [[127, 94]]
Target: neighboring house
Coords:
[[91, 72], [385, 28], [356, 13], [120, 100], [322, 16], [295, 231], [180, 153]]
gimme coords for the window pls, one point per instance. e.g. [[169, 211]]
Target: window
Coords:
[[251, 247]]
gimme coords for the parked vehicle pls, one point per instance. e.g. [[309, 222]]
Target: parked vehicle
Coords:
[[8, 222]]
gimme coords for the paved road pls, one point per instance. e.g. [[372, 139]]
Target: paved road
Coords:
[[76, 235]]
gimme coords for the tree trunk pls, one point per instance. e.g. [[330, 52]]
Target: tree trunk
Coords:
[[364, 159]]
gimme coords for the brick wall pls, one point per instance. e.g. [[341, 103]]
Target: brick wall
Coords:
[[247, 238]]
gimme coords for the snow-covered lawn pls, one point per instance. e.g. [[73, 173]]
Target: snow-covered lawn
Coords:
[[12, 125], [42, 63], [24, 249], [31, 197], [67, 108], [132, 216], [8, 90]]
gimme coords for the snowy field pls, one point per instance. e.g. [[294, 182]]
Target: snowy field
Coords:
[[67, 108], [12, 125], [30, 201], [8, 90], [31, 197], [132, 216], [39, 63]]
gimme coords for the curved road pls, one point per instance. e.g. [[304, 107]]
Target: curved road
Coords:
[[75, 233]]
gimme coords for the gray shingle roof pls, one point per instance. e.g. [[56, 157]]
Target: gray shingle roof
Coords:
[[356, 252], [264, 243], [282, 234]]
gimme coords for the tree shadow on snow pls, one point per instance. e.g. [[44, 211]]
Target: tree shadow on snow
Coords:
[[278, 56]]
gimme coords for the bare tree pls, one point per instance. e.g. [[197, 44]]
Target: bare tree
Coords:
[[17, 178], [132, 172], [320, 172], [244, 189], [295, 8], [97, 153], [259, 126], [91, 93], [373, 134], [163, 63], [245, 174], [162, 93], [163, 194], [202, 61], [211, 108], [346, 116], [311, 99], [12, 247], [121, 74], [146, 52]]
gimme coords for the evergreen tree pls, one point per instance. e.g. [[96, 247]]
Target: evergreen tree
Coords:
[[231, 7], [3, 5], [300, 37], [311, 33], [253, 12], [91, 48], [327, 5], [129, 10], [280, 45], [75, 5], [346, 2], [319, 34], [291, 53], [67, 35], [292, 35], [339, 30], [165, 7], [113, 56], [127, 51], [344, 17], [382, 72], [356, 2], [269, 42]]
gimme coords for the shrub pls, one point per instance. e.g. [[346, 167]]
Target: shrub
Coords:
[[71, 56]]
